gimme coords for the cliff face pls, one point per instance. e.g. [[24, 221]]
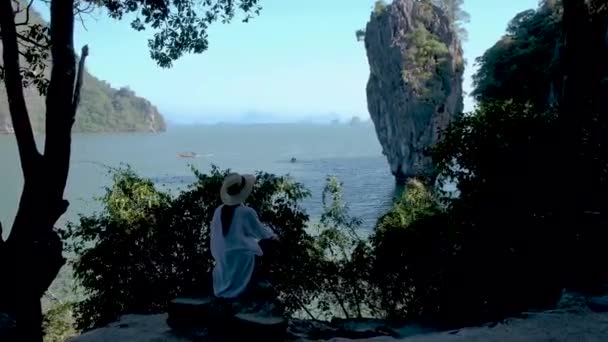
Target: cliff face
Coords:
[[415, 85]]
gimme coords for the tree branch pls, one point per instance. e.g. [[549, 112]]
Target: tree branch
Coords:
[[59, 100], [76, 98], [31, 41], [28, 152], [27, 14]]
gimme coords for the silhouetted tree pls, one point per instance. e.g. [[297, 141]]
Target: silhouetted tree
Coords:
[[32, 254], [583, 101]]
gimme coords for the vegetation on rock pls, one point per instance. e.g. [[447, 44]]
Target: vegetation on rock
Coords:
[[457, 16], [380, 7], [426, 55], [102, 108]]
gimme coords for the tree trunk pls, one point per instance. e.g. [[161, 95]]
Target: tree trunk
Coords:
[[583, 105], [34, 248], [574, 102]]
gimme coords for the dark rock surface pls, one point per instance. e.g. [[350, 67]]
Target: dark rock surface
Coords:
[[413, 92]]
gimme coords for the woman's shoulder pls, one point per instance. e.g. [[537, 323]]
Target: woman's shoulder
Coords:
[[218, 210], [246, 210]]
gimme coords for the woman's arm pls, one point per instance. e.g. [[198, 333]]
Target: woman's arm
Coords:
[[213, 238], [258, 229]]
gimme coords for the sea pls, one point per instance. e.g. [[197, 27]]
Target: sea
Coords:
[[352, 153]]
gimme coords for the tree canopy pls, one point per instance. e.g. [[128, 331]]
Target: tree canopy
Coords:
[[178, 27], [523, 64]]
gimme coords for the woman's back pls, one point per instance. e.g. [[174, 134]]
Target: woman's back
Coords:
[[234, 248], [242, 233]]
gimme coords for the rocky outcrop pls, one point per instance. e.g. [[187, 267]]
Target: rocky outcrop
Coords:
[[415, 84]]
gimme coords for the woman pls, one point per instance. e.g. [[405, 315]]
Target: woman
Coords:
[[235, 233]]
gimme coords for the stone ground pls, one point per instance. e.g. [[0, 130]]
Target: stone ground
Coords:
[[573, 320]]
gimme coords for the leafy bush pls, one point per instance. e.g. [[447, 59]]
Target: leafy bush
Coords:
[[522, 65], [406, 254], [509, 169], [343, 258], [58, 323], [502, 245], [145, 247], [426, 56], [504, 161]]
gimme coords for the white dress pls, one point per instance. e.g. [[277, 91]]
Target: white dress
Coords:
[[235, 253]]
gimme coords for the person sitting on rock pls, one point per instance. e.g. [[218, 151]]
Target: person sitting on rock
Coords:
[[235, 235]]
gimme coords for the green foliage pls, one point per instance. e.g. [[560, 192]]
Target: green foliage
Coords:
[[180, 25], [102, 108], [380, 7], [408, 261], [58, 323], [344, 257], [416, 202], [502, 245], [502, 148], [34, 43], [457, 16], [427, 59], [504, 160], [509, 241], [522, 65], [360, 34], [146, 246]]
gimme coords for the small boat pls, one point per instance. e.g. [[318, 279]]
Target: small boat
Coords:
[[188, 155], [293, 159]]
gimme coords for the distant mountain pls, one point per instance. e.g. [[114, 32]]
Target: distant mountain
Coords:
[[355, 120], [102, 108]]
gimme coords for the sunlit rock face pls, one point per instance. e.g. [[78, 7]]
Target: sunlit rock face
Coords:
[[415, 84]]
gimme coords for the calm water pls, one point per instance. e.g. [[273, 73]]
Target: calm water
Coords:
[[352, 153]]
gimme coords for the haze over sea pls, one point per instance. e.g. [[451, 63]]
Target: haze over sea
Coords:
[[352, 153]]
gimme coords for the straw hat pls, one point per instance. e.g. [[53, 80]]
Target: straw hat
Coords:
[[236, 188]]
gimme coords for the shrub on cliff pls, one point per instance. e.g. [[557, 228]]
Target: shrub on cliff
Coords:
[[428, 56], [145, 246]]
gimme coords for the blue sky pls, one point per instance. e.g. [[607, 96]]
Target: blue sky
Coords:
[[299, 58]]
